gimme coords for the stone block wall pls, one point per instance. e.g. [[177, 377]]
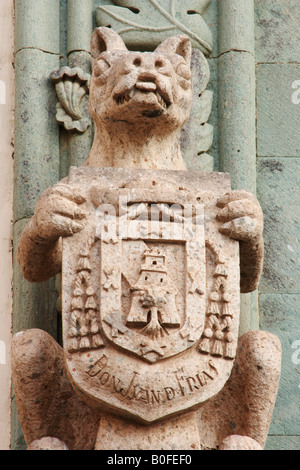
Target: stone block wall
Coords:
[[278, 189]]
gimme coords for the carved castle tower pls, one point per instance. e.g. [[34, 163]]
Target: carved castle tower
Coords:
[[153, 296]]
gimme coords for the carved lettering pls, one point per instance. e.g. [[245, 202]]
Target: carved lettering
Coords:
[[131, 388], [170, 393], [191, 381], [200, 379], [186, 384], [155, 396], [98, 366], [104, 378]]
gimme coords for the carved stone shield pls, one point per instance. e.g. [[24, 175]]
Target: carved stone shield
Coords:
[[150, 292]]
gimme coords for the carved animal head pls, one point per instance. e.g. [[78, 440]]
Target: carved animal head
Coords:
[[152, 87]]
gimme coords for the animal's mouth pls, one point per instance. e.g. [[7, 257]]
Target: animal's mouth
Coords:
[[146, 88]]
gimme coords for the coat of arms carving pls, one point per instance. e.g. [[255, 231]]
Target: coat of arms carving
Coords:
[[151, 292]]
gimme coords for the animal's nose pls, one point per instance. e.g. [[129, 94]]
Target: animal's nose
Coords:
[[150, 63]]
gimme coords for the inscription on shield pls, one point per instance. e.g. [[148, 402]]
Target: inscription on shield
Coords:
[[150, 292]]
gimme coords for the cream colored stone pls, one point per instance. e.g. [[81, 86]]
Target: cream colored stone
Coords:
[[150, 272], [167, 276], [239, 443], [47, 443], [6, 197], [120, 434]]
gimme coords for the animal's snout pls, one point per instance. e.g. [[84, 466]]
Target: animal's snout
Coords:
[[151, 64], [147, 81]]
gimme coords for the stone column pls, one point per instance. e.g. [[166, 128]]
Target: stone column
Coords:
[[75, 147], [237, 111], [36, 159]]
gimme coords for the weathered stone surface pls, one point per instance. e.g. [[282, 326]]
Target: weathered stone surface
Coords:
[[176, 18], [167, 301], [119, 434], [236, 110], [277, 31], [34, 304], [47, 443], [236, 26], [41, 25], [197, 135], [254, 380], [47, 404], [283, 443], [278, 190], [71, 85], [239, 443], [80, 25], [237, 119], [36, 163], [280, 316], [157, 382], [277, 119]]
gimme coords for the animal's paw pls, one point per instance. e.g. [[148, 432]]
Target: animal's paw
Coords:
[[236, 442], [241, 216], [58, 213]]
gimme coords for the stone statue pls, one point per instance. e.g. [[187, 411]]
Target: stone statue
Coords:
[[153, 260]]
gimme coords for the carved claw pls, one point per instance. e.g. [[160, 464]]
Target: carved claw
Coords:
[[241, 216]]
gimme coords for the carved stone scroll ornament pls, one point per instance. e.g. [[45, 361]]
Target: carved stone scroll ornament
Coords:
[[150, 262], [72, 87]]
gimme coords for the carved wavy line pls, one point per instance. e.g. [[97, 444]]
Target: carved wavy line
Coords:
[[136, 25], [172, 7], [179, 25]]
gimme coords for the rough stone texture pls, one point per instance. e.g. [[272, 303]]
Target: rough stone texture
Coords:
[[37, 34], [239, 443], [47, 443], [283, 443], [236, 110], [277, 119], [277, 55], [139, 103], [150, 22], [150, 269], [253, 384], [47, 403], [119, 434], [36, 136], [279, 193], [36, 302], [280, 316], [277, 31], [197, 135], [237, 118], [236, 29], [80, 25]]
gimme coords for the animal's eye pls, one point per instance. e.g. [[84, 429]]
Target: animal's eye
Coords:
[[101, 66], [184, 71]]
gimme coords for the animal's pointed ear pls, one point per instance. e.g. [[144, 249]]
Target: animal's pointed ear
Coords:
[[105, 39], [177, 45]]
